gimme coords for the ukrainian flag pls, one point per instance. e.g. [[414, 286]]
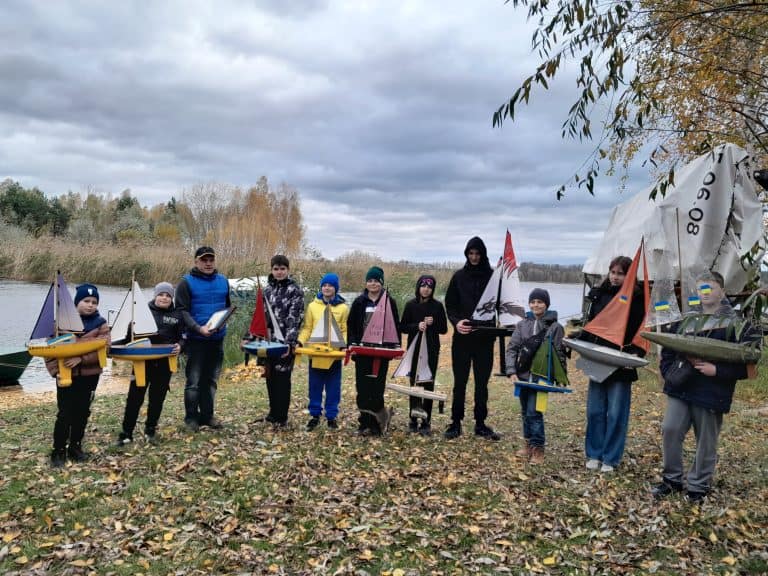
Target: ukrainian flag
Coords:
[[659, 306], [694, 301], [705, 289], [623, 299]]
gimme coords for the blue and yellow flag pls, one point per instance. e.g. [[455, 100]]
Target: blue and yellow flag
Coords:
[[694, 301], [660, 306], [705, 289]]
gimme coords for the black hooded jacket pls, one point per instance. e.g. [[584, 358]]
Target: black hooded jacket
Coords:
[[468, 284], [415, 311]]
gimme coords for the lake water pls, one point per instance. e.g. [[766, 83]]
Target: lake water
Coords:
[[20, 303]]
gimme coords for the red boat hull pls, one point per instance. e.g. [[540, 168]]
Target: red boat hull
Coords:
[[378, 354]]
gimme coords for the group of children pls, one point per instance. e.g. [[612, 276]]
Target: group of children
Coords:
[[697, 400]]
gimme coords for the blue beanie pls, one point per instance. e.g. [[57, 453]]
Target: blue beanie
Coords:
[[332, 279], [84, 291]]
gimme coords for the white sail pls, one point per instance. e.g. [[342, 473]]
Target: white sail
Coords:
[[134, 318], [501, 300], [277, 334], [327, 331], [67, 317], [423, 373]]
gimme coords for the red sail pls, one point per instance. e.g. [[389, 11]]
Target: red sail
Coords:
[[259, 321], [510, 262], [611, 323], [638, 340]]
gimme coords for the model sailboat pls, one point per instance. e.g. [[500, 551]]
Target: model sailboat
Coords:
[[59, 315], [548, 374], [416, 354], [130, 333], [380, 339], [598, 362], [501, 306], [325, 344], [263, 346]]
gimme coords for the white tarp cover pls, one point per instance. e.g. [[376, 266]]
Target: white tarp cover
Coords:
[[715, 205]]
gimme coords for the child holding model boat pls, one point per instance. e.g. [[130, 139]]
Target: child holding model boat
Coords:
[[74, 401], [530, 333], [426, 316], [170, 325], [699, 392]]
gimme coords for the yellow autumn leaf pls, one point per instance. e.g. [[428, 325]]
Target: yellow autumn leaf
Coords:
[[549, 561], [474, 529], [365, 555], [712, 537], [28, 510], [168, 536], [274, 568], [8, 536], [21, 560], [78, 526], [505, 543], [398, 572], [730, 560]]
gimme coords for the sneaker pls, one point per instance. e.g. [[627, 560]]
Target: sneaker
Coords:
[[152, 438], [76, 454], [313, 422], [593, 464], [425, 429], [537, 455], [665, 489], [486, 432], [214, 423], [413, 425], [268, 418], [58, 458], [694, 497], [123, 440], [607, 468], [453, 431], [192, 425], [332, 424]]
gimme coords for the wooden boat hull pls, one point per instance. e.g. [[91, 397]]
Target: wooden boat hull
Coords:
[[63, 349], [139, 352], [320, 355], [707, 348], [377, 353], [598, 362], [542, 389], [264, 349], [12, 366], [417, 391]]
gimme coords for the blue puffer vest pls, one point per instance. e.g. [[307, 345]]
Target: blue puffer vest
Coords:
[[208, 295]]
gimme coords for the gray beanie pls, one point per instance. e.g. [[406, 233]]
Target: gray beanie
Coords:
[[166, 287]]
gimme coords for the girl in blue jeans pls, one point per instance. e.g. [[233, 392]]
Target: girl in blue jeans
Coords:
[[608, 402]]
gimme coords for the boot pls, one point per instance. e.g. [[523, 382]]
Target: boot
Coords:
[[58, 457], [537, 455], [524, 452]]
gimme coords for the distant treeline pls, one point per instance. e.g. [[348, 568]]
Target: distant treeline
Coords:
[[571, 274]]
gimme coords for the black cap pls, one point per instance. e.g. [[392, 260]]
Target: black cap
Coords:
[[204, 251]]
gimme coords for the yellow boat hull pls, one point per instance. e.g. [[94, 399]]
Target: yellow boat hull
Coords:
[[320, 355], [62, 351], [139, 352]]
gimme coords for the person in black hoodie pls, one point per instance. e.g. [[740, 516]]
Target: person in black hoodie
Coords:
[[470, 347], [608, 402], [370, 389], [169, 331], [424, 315]]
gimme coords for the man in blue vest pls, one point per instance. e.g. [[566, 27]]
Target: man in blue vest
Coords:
[[201, 293]]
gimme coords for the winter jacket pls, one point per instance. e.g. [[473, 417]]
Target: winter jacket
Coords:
[[170, 325], [198, 297], [360, 314], [414, 312], [467, 286], [315, 313], [528, 327], [95, 327], [599, 297], [286, 299], [711, 392]]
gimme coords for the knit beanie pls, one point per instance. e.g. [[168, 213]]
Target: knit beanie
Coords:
[[539, 294], [166, 287], [375, 273], [84, 291], [332, 279]]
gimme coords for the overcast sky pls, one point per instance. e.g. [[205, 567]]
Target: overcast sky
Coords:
[[378, 112]]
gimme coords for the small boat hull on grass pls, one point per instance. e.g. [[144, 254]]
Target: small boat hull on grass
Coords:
[[265, 349], [12, 366], [66, 346], [598, 362], [707, 348]]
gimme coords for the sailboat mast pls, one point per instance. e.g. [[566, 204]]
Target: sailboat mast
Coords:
[[56, 304], [498, 292], [133, 305]]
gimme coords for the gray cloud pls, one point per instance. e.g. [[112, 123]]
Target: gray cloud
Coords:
[[378, 113]]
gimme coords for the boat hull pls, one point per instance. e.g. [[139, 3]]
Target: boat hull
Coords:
[[12, 366], [264, 349], [139, 352], [320, 355], [599, 362], [377, 353], [542, 389], [61, 350], [707, 348]]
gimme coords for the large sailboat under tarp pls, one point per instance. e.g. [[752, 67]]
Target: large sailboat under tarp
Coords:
[[54, 333], [611, 324], [130, 333], [266, 344], [381, 340]]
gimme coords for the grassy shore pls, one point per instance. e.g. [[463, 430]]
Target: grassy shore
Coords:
[[249, 499]]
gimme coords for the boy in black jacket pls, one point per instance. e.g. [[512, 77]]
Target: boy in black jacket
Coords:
[[426, 315]]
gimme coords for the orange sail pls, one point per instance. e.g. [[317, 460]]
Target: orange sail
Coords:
[[611, 323], [638, 340], [258, 326]]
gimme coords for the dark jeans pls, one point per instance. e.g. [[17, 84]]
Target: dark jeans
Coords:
[[475, 351], [204, 358], [370, 390], [158, 377], [279, 392], [533, 421], [74, 403], [424, 403]]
